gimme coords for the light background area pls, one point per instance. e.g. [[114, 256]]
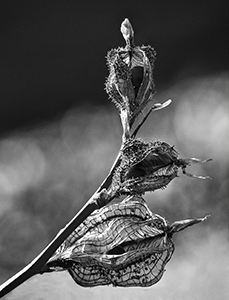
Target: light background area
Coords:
[[48, 173], [59, 135]]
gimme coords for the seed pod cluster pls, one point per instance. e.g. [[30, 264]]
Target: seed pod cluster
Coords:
[[125, 243]]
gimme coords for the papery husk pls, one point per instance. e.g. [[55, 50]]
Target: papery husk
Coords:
[[123, 244]]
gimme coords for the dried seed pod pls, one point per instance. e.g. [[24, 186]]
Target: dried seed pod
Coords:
[[123, 244], [148, 166], [130, 82]]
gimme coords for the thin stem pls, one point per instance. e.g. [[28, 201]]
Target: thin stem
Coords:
[[107, 181], [133, 135], [35, 267], [156, 106]]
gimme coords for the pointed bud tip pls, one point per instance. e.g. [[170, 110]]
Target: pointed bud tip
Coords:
[[127, 30], [206, 217]]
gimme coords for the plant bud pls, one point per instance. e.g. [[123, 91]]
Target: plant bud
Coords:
[[127, 32]]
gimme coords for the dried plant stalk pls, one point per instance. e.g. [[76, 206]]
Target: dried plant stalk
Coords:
[[123, 244]]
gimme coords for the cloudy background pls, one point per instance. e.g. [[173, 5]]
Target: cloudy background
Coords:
[[59, 134]]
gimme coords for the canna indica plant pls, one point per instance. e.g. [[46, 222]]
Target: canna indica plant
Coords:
[[124, 243], [114, 241]]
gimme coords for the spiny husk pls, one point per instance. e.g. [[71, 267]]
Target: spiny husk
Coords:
[[130, 83], [145, 166], [148, 166]]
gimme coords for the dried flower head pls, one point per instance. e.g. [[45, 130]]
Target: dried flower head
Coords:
[[147, 166], [123, 244], [130, 82]]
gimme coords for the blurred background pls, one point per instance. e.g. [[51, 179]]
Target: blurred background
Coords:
[[59, 133]]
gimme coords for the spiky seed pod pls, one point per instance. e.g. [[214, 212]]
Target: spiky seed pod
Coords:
[[130, 82], [123, 244], [147, 166]]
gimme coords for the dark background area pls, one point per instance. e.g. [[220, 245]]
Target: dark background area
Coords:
[[59, 133], [52, 52]]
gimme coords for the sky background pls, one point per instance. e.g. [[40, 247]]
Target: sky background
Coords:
[[52, 52], [59, 133]]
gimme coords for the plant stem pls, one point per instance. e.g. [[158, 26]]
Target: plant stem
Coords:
[[35, 267]]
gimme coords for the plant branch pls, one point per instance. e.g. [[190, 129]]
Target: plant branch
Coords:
[[101, 197], [36, 266], [156, 106]]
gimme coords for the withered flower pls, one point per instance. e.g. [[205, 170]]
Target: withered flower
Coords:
[[123, 244], [147, 166], [130, 82]]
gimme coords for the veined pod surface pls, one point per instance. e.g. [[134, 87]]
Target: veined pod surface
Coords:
[[123, 244]]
